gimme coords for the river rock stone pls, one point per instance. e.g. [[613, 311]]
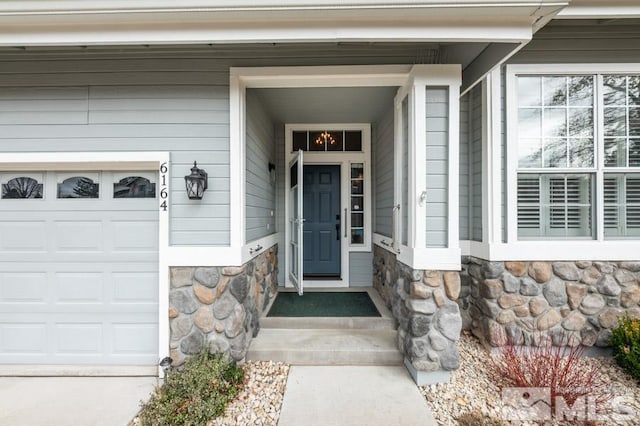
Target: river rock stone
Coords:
[[574, 321], [218, 344], [540, 271], [173, 312], [608, 286], [193, 343], [529, 287], [450, 358], [420, 290], [491, 289], [492, 270], [426, 307], [583, 264], [234, 324], [555, 292], [605, 267], [208, 277], [591, 276], [452, 284], [231, 271], [180, 327], [521, 311], [575, 294], [239, 288], [438, 297], [506, 317], [517, 269], [549, 319], [223, 307], [180, 277], [609, 317], [511, 284], [183, 300], [631, 266], [538, 305], [592, 304], [449, 321], [624, 277], [437, 340], [589, 336], [510, 300], [568, 271], [433, 278], [630, 297], [238, 347], [204, 294], [204, 319], [419, 325], [417, 347]]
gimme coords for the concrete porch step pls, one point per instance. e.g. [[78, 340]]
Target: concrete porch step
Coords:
[[370, 323], [326, 346]]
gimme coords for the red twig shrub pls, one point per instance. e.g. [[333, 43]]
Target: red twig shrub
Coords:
[[559, 368]]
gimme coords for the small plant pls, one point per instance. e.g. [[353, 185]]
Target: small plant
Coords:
[[195, 394], [625, 342], [561, 369]]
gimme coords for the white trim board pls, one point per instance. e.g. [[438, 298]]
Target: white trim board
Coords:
[[116, 161]]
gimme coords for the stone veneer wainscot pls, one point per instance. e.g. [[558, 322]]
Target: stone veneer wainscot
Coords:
[[425, 305], [535, 303], [220, 307]]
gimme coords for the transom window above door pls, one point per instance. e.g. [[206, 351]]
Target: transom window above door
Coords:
[[327, 140]]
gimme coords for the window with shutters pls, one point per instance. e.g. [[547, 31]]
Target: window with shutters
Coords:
[[578, 142]]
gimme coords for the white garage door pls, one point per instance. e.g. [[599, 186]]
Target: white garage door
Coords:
[[78, 268]]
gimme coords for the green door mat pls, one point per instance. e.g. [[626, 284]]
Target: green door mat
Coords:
[[321, 304]]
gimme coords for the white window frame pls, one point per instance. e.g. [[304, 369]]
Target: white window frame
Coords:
[[575, 249]]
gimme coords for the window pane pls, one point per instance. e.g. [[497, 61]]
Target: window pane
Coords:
[[334, 142], [530, 122], [299, 141], [555, 152], [134, 187], [634, 121], [615, 122], [580, 152], [353, 141], [357, 236], [634, 90], [581, 91], [317, 142], [528, 205], [614, 90], [356, 203], [357, 220], [632, 189], [529, 89], [23, 187], [555, 122], [615, 152], [634, 152], [530, 153], [78, 187], [622, 205], [581, 122], [555, 90]]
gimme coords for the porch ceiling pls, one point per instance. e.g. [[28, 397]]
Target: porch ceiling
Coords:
[[328, 104]]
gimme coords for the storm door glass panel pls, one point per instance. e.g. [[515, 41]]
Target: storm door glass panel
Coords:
[[78, 187], [134, 187], [296, 222], [405, 172], [357, 203], [23, 187]]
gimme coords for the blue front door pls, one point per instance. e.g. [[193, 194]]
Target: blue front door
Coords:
[[322, 225]]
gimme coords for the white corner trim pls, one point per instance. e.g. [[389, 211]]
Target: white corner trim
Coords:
[[443, 259], [612, 250], [203, 256], [256, 247]]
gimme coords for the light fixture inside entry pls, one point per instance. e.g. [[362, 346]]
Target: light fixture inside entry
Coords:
[[325, 138]]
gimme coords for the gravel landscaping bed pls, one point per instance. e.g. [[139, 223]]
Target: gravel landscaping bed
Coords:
[[260, 401], [471, 390]]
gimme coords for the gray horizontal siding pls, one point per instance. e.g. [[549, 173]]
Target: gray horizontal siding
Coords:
[[464, 192], [383, 173], [360, 269], [260, 191], [476, 163], [437, 142]]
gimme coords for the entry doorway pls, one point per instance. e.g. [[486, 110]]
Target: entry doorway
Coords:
[[322, 222]]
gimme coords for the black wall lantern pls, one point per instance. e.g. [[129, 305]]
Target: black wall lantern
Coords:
[[196, 183]]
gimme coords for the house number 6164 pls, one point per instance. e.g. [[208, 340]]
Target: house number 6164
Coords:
[[163, 187]]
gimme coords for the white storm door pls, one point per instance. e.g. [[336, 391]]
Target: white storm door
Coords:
[[296, 221]]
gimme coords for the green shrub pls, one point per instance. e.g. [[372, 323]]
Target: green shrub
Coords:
[[625, 340], [195, 394]]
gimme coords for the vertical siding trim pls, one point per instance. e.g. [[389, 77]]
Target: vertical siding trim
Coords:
[[237, 94]]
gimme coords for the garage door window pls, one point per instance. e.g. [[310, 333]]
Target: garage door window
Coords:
[[78, 187], [134, 187], [22, 187]]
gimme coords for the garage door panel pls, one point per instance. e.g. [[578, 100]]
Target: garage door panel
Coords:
[[23, 287], [79, 287], [78, 236], [135, 287], [79, 279], [83, 338], [23, 338], [23, 236], [134, 235]]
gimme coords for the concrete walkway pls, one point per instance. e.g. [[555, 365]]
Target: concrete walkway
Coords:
[[352, 396], [87, 401]]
